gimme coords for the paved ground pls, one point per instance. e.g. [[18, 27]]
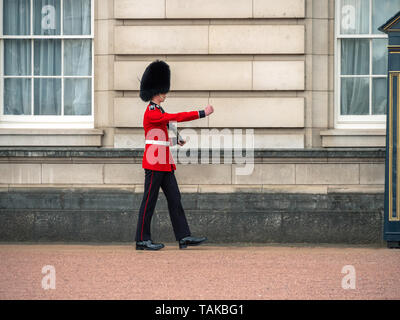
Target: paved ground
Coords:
[[205, 272]]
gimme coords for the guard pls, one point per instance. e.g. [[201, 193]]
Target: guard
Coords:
[[157, 161]]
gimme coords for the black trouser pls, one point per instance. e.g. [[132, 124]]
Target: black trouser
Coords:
[[152, 183]]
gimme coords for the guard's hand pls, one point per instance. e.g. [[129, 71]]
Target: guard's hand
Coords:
[[208, 110]]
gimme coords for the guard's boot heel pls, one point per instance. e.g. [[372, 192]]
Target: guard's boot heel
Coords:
[[148, 245], [190, 241]]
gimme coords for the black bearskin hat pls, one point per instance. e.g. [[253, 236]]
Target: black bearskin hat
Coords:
[[155, 80]]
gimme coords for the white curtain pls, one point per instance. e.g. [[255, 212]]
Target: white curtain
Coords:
[[47, 58], [355, 96], [47, 62], [17, 97], [77, 17], [354, 17], [77, 96], [16, 17], [355, 55], [78, 62], [47, 96], [355, 91], [46, 17], [78, 55], [16, 21], [379, 95]]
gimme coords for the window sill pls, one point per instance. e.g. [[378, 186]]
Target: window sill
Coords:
[[51, 137], [353, 138]]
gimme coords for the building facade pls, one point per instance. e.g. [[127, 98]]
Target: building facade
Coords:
[[303, 81]]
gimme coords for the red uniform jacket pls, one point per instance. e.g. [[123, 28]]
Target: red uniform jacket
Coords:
[[157, 156]]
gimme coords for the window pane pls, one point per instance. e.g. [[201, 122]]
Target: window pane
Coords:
[[47, 97], [77, 97], [354, 17], [77, 17], [78, 57], [17, 96], [17, 57], [354, 96], [355, 57], [46, 17], [16, 17], [379, 56], [382, 11], [379, 95], [47, 59]]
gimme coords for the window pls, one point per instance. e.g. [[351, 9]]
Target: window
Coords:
[[46, 69], [361, 62]]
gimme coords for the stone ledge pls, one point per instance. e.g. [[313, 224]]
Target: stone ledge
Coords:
[[50, 131], [195, 188], [209, 9], [353, 138], [50, 137], [91, 152]]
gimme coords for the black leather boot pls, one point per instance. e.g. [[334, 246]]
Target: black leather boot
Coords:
[[191, 241], [148, 245]]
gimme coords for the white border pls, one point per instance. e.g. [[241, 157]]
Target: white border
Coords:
[[38, 121], [354, 122]]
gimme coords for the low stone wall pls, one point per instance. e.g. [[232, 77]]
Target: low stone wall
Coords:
[[315, 196], [109, 215]]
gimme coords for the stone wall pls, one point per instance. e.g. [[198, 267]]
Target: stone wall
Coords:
[[110, 215], [98, 167], [93, 194]]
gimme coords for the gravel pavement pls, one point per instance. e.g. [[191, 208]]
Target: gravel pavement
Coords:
[[241, 271]]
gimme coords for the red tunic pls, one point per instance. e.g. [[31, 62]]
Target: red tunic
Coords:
[[156, 156]]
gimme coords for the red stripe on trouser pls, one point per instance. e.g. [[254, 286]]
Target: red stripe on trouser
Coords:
[[144, 213]]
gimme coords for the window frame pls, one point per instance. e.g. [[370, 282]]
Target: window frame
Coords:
[[47, 121], [354, 121]]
